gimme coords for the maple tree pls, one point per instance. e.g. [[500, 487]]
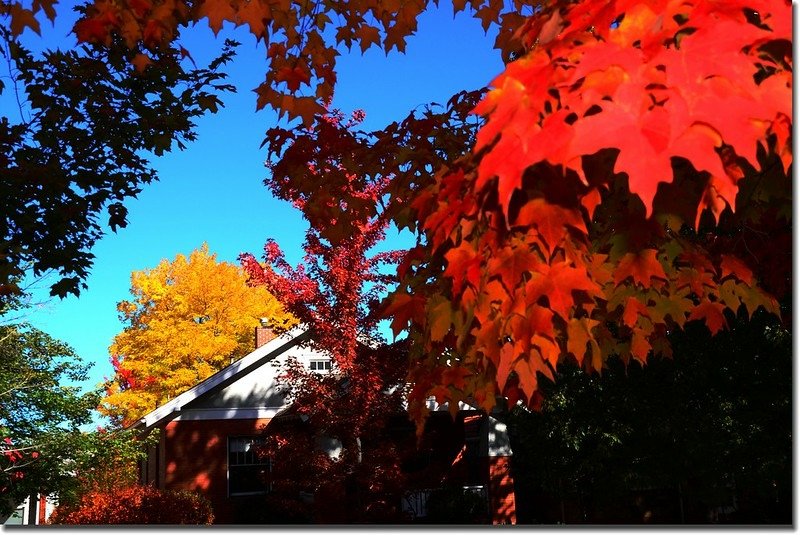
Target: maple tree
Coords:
[[189, 318], [608, 200], [76, 139], [330, 293], [630, 161]]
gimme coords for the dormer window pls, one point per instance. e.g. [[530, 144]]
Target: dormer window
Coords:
[[320, 365]]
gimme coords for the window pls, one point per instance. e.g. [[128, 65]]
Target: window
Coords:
[[320, 365], [248, 473]]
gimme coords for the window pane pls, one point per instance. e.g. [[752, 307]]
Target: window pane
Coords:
[[248, 479], [320, 365], [239, 444], [248, 473]]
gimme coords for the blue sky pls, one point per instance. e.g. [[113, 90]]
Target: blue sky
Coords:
[[213, 191]]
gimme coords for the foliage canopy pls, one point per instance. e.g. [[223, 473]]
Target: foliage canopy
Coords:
[[42, 411], [623, 173], [189, 318], [76, 135], [136, 504]]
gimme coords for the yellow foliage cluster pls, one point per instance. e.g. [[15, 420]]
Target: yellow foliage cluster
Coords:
[[188, 318]]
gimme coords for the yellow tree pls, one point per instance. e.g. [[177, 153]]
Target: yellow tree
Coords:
[[188, 318]]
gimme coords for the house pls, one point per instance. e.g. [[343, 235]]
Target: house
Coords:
[[34, 511], [208, 433]]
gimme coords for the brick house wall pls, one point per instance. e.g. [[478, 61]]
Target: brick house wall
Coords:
[[193, 455], [501, 491], [241, 400]]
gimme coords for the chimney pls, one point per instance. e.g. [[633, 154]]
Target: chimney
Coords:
[[264, 334]]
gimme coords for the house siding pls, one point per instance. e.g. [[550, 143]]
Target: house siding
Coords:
[[240, 400], [501, 491], [192, 455], [196, 459]]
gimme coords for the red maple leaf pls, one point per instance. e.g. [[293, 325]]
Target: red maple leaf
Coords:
[[642, 267], [712, 314], [91, 30], [633, 309], [550, 220], [566, 279]]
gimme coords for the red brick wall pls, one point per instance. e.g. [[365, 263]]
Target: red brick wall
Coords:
[[501, 491], [264, 335], [196, 457]]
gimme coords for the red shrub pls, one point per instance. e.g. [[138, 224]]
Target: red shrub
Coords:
[[137, 504]]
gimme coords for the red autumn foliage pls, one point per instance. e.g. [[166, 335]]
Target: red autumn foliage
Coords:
[[137, 504], [633, 160], [12, 462], [330, 293], [334, 444]]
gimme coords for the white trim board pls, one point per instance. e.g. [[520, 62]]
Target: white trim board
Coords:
[[246, 364], [251, 413]]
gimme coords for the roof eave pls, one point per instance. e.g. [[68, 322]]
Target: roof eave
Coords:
[[252, 360]]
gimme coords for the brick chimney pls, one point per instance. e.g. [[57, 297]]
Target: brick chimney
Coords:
[[264, 334]]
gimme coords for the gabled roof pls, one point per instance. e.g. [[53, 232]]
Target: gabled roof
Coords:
[[226, 376]]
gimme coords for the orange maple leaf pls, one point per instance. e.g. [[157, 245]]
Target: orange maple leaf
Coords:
[[440, 318], [294, 77], [640, 347], [550, 220], [403, 308], [579, 333], [711, 312], [463, 265], [511, 263], [508, 355], [642, 267], [564, 280], [367, 36], [141, 61], [21, 18], [733, 266], [455, 376], [217, 12], [633, 309]]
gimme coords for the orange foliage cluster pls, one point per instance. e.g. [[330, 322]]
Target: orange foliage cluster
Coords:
[[137, 504], [575, 228]]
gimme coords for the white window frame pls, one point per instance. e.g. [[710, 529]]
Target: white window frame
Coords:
[[320, 365], [255, 463]]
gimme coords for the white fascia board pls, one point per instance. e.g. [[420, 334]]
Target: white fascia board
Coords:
[[262, 354], [249, 413]]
